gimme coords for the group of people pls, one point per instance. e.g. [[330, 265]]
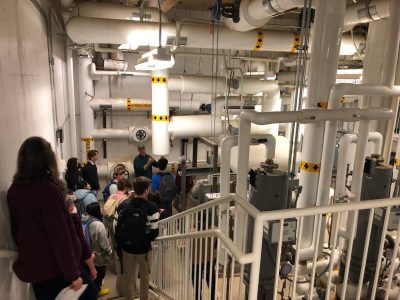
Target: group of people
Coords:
[[66, 238]]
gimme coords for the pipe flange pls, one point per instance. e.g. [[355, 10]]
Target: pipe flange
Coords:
[[244, 6], [138, 134]]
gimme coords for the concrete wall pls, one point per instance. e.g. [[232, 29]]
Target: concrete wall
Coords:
[[26, 104]]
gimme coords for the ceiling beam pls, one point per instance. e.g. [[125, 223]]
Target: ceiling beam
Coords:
[[168, 5]]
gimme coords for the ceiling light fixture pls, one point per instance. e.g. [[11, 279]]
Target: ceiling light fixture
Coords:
[[156, 59]]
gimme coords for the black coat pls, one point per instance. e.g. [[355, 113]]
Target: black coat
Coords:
[[89, 173]]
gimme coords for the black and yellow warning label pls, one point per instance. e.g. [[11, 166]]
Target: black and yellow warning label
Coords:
[[160, 118], [296, 43], [156, 79], [87, 141], [130, 104], [397, 162], [260, 40], [310, 166], [323, 104]]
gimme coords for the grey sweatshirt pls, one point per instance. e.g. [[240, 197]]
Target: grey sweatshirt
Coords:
[[98, 230]]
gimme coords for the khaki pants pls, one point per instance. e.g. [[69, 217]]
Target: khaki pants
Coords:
[[130, 263]]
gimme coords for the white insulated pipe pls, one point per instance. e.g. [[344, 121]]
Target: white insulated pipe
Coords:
[[159, 112], [390, 63], [97, 74], [107, 133], [359, 13], [71, 102], [201, 85], [326, 40], [195, 126], [97, 31], [86, 92], [134, 104], [344, 157], [115, 11]]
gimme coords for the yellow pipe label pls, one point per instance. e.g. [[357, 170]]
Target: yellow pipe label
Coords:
[[161, 80], [160, 118], [87, 141], [310, 166], [397, 162], [323, 104], [130, 104], [296, 43], [260, 40]]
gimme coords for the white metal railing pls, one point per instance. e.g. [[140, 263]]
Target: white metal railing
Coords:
[[199, 256]]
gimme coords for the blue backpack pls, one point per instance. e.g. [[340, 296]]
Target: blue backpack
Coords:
[[106, 191]]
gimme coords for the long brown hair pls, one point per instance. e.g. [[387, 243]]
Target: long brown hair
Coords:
[[36, 162]]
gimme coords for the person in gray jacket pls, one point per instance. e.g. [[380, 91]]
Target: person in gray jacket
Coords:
[[84, 196], [96, 236]]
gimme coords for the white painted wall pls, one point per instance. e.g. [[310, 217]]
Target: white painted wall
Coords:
[[26, 105]]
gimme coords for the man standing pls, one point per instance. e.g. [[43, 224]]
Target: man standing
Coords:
[[143, 163], [137, 226], [163, 183], [89, 171]]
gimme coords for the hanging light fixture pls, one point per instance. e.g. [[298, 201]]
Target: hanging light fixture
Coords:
[[156, 59]]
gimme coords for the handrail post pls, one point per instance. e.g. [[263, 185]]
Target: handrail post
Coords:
[[188, 254], [255, 265]]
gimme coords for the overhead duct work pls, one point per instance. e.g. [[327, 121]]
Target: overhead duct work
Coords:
[[202, 84], [117, 12], [256, 13], [97, 31]]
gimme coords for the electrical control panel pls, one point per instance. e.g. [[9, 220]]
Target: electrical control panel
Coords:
[[272, 230]]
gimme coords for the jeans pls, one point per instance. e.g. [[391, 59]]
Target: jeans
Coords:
[[101, 273]]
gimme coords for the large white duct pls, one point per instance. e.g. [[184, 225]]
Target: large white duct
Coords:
[[159, 112], [99, 31], [360, 13], [117, 12], [202, 85], [195, 126], [256, 13]]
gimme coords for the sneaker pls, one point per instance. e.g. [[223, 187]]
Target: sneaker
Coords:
[[103, 291]]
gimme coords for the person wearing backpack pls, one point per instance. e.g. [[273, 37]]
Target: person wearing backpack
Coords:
[[111, 187], [163, 183], [136, 228], [96, 236], [84, 196]]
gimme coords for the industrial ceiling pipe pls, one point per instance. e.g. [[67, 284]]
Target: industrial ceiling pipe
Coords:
[[364, 13], [105, 31], [115, 11]]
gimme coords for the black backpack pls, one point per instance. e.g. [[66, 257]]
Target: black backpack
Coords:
[[167, 188], [106, 191], [131, 230]]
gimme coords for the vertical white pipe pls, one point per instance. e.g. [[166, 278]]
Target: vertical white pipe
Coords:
[[389, 69], [86, 93], [373, 62], [71, 102], [323, 65], [160, 112], [226, 146]]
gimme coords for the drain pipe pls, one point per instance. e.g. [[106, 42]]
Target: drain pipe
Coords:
[[86, 94], [159, 112]]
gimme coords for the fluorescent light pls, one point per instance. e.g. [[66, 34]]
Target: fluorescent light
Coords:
[[157, 59], [128, 47], [350, 71]]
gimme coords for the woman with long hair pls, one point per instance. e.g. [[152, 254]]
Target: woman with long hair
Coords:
[[73, 173], [48, 249]]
